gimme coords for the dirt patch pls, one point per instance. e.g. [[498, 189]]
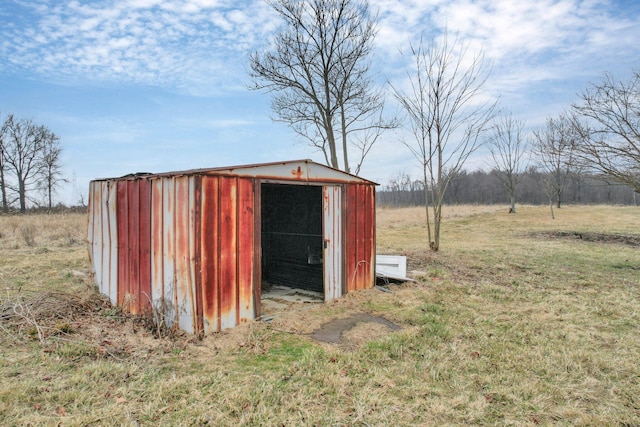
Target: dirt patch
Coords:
[[629, 240], [355, 329], [88, 322]]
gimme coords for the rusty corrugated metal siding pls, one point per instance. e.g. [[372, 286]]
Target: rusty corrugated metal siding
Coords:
[[360, 237], [134, 245], [103, 238], [197, 269], [189, 245], [227, 245]]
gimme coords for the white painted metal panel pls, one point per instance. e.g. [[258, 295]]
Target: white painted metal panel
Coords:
[[168, 251], [183, 260], [157, 244], [297, 170], [94, 232], [102, 238], [332, 236], [90, 226], [110, 240], [392, 266]]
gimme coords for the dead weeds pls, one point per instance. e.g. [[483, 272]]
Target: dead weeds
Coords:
[[45, 313], [55, 319]]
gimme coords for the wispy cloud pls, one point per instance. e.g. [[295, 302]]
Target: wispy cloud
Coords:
[[507, 28], [527, 41], [200, 47], [177, 43]]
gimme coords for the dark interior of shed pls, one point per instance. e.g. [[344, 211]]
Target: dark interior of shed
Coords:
[[291, 234]]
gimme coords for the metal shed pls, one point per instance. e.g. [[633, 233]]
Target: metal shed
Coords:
[[197, 245]]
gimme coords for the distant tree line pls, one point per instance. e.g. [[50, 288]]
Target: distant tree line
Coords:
[[482, 187], [30, 164], [588, 154]]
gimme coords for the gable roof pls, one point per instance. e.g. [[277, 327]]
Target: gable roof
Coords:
[[290, 170]]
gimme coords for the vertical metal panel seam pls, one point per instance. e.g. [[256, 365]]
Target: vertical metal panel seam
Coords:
[[218, 293], [145, 271], [237, 249], [140, 245], [112, 217], [175, 255], [90, 222], [362, 238], [191, 242], [372, 274], [344, 206], [257, 246], [163, 302], [121, 213], [135, 261], [108, 219], [197, 224], [98, 211], [158, 242]]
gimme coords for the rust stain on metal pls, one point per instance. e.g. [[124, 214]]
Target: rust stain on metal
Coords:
[[297, 173], [189, 244], [228, 253], [197, 251], [360, 237], [144, 269], [157, 242], [209, 242], [245, 257]]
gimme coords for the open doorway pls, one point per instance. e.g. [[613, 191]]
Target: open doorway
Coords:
[[291, 236]]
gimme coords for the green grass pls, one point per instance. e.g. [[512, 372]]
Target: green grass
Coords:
[[509, 324]]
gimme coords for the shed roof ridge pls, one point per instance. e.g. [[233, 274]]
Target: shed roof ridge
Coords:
[[237, 170]]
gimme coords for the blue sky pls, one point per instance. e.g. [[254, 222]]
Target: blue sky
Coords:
[[160, 85]]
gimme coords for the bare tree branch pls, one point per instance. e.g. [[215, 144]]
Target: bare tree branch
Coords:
[[508, 146], [30, 153], [554, 148], [447, 114], [319, 72], [610, 129]]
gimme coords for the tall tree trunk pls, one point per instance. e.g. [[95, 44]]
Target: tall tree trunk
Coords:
[[332, 146], [345, 153], [426, 203], [22, 194], [50, 189], [512, 209], [3, 190]]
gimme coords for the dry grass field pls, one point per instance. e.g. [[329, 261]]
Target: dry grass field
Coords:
[[518, 320]]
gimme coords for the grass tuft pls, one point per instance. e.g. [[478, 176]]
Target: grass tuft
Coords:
[[518, 320]]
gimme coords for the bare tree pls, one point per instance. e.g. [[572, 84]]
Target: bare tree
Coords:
[[610, 138], [447, 114], [553, 146], [3, 182], [23, 145], [50, 167], [508, 147], [319, 73]]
